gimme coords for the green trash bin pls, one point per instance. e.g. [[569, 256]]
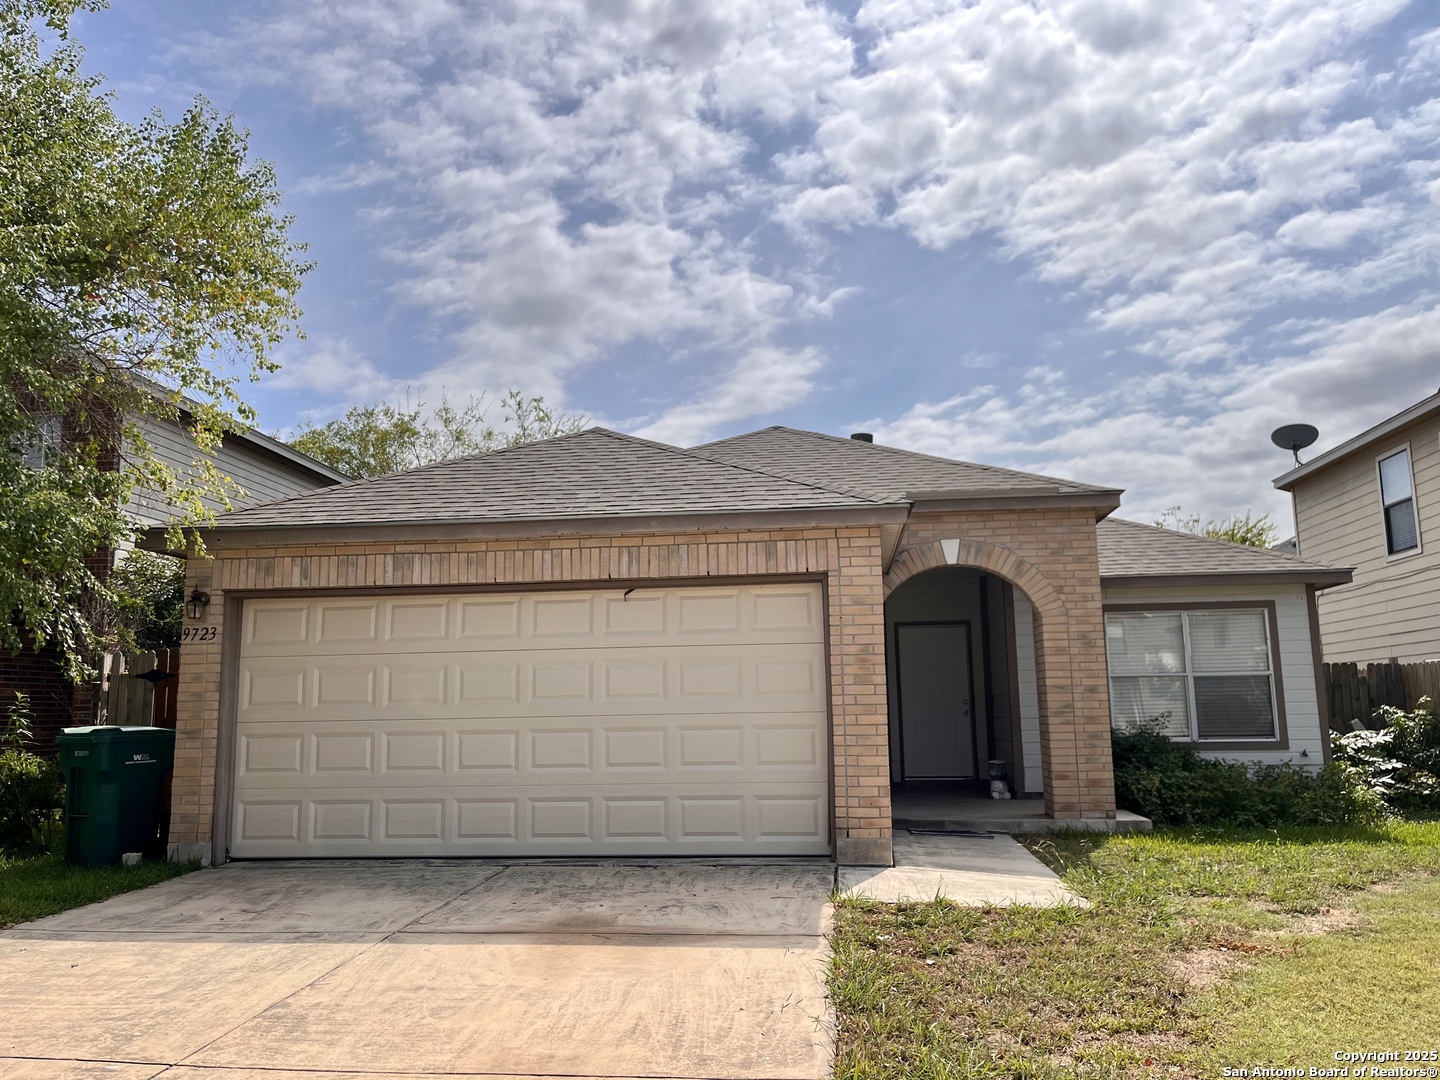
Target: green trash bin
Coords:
[[113, 789]]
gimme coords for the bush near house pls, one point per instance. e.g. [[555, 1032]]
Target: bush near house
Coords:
[[31, 789], [1171, 784], [1398, 761]]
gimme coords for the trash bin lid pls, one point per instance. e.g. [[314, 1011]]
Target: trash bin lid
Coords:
[[96, 730]]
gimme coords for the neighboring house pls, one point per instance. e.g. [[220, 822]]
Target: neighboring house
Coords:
[[600, 645], [1374, 503], [264, 469]]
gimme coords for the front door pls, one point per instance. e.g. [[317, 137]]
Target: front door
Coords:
[[937, 715]]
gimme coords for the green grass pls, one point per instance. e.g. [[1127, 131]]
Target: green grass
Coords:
[[1371, 987], [1118, 989], [31, 888]]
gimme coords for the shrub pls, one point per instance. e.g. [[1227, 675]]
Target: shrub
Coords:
[[1399, 760], [31, 788], [1171, 784]]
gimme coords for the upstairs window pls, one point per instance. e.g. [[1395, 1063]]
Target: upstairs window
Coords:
[[43, 444], [1192, 675], [1397, 498]]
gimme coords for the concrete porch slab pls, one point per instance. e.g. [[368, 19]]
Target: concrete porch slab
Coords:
[[945, 810], [968, 870]]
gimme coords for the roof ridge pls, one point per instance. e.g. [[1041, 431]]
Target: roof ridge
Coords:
[[1228, 544], [841, 439], [694, 452]]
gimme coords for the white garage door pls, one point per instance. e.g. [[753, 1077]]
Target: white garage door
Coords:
[[662, 721]]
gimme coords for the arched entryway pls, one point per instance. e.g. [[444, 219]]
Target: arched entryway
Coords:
[[962, 688], [982, 661]]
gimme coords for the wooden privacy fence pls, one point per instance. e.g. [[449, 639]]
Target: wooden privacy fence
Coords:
[[1355, 693], [139, 689]]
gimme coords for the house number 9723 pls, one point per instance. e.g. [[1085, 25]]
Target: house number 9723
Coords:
[[199, 633]]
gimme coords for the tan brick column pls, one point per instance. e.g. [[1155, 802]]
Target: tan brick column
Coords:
[[197, 706], [859, 709]]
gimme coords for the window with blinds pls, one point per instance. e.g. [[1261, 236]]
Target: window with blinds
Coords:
[[1397, 501], [1192, 675]]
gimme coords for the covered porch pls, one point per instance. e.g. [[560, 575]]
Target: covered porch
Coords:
[[996, 675]]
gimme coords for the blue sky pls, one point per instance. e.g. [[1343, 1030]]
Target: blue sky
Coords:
[[1112, 240]]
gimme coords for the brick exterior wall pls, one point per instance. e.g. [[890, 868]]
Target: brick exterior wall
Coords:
[[1050, 555], [847, 560], [53, 698]]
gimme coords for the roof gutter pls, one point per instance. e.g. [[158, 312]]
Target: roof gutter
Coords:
[[1104, 501], [1419, 411], [240, 536], [1320, 577]]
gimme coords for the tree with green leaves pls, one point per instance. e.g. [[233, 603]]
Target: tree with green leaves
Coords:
[[387, 437], [1249, 530], [143, 267], [149, 591]]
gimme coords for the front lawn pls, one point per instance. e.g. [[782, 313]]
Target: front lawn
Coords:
[[31, 888], [1198, 950]]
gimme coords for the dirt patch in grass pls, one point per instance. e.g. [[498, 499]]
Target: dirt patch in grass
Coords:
[[1200, 969], [1327, 920]]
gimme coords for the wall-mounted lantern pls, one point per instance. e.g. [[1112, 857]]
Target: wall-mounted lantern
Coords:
[[197, 605]]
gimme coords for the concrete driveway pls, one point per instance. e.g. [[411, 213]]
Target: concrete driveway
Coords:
[[283, 971]]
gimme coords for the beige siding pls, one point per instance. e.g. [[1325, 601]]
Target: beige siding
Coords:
[[261, 476], [1297, 667], [1392, 608]]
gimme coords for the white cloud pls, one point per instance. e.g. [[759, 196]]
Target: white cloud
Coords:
[[567, 179], [565, 171], [1198, 440], [331, 366], [764, 380]]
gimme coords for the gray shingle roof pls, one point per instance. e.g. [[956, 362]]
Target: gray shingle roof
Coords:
[[882, 472], [595, 473], [1129, 549]]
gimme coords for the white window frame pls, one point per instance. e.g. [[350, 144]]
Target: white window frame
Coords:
[[1189, 676], [1402, 448]]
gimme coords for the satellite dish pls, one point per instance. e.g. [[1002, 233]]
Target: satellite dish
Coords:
[[1294, 437]]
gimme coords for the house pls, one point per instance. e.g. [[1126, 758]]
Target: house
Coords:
[[1373, 503], [262, 467], [601, 645]]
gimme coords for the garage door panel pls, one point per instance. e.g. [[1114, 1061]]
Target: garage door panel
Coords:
[[537, 622], [670, 750], [720, 679], [673, 721], [782, 819]]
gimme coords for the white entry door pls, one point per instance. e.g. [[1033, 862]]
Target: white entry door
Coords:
[[666, 721]]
